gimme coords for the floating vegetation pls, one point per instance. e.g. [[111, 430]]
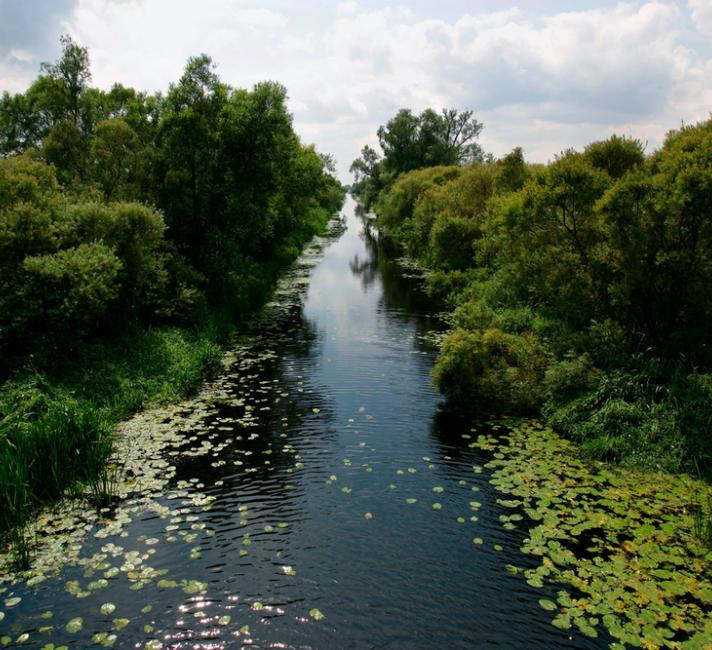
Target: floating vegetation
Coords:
[[90, 535], [75, 625], [316, 614], [619, 545]]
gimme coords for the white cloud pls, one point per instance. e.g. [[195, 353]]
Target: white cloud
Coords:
[[702, 16], [347, 8], [16, 66], [542, 82]]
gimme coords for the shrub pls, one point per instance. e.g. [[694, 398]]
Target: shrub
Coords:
[[67, 292], [451, 242], [395, 209], [502, 372]]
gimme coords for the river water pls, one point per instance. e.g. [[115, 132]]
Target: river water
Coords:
[[319, 496]]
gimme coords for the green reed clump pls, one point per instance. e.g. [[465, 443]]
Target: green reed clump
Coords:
[[55, 426], [44, 450], [702, 520], [104, 487], [21, 545]]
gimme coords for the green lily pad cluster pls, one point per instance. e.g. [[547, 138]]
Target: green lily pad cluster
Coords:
[[618, 543]]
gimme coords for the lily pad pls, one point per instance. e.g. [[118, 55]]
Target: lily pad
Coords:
[[75, 625], [316, 614], [107, 609], [548, 605]]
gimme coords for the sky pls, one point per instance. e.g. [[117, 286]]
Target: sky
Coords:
[[545, 75]]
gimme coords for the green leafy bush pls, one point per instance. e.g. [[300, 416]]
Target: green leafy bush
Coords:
[[67, 292], [581, 285], [502, 372]]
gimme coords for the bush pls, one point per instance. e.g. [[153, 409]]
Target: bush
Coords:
[[569, 378], [473, 314], [395, 209], [585, 282], [451, 242], [492, 369], [447, 286], [68, 291]]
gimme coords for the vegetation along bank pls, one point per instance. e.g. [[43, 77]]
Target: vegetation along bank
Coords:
[[135, 230], [579, 289]]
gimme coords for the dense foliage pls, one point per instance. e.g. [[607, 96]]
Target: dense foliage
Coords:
[[411, 142], [121, 211], [579, 289]]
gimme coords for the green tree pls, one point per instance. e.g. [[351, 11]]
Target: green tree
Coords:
[[115, 151], [512, 171], [367, 176], [72, 76], [187, 143], [659, 229], [616, 155]]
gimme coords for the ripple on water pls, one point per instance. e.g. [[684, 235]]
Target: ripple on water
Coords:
[[313, 496]]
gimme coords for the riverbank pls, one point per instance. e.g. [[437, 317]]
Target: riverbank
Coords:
[[58, 427]]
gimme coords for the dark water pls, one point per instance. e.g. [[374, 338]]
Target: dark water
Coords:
[[339, 396]]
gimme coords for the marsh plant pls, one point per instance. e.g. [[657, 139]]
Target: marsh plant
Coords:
[[103, 482], [21, 544], [702, 519]]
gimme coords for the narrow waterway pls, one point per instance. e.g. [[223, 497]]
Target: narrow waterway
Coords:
[[318, 496]]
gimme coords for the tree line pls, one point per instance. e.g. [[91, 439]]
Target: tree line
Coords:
[[579, 289], [135, 229], [119, 206]]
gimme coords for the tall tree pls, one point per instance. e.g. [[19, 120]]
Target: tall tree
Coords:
[[73, 74], [187, 139]]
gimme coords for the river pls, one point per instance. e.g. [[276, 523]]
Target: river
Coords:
[[318, 495]]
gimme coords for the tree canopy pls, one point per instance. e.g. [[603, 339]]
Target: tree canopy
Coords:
[[409, 141], [148, 208]]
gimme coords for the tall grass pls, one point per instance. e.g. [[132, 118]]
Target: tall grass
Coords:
[[56, 427], [702, 520]]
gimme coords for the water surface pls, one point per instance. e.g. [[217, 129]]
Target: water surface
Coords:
[[321, 476]]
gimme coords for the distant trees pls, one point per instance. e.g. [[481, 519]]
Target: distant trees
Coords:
[[410, 141]]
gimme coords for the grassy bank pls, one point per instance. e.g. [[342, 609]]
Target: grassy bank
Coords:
[[56, 422]]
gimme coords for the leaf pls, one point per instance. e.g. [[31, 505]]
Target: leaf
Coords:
[[107, 609], [316, 614], [75, 625]]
